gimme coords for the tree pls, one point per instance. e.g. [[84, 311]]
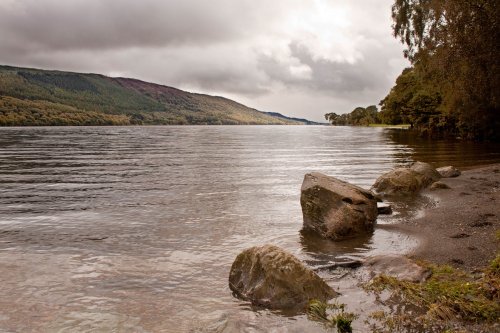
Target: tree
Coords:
[[454, 47], [332, 117], [358, 117]]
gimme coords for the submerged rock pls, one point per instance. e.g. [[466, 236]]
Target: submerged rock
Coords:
[[404, 181], [271, 277], [449, 172], [336, 209], [340, 264], [396, 266]]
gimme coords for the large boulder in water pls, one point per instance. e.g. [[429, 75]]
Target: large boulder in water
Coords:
[[336, 209], [404, 181], [271, 277]]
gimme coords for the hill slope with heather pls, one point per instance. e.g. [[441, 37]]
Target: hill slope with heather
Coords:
[[32, 97]]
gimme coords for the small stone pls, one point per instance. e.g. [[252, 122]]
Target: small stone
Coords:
[[439, 186], [449, 172], [384, 210], [460, 235]]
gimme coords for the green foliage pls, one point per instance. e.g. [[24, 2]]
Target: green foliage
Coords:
[[358, 117], [16, 112], [453, 46], [415, 102], [383, 322], [450, 293], [69, 81], [331, 315], [35, 97]]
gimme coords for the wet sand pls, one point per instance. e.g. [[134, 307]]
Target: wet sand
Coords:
[[461, 229]]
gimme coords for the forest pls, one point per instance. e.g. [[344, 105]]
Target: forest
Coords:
[[360, 116], [452, 88], [32, 97]]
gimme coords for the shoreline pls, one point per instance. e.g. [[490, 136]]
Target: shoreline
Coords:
[[461, 229]]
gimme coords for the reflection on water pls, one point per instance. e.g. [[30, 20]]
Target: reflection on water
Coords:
[[134, 229], [442, 152]]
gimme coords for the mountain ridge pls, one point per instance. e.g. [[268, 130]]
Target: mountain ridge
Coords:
[[31, 97]]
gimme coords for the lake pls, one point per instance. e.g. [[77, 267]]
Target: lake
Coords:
[[134, 229]]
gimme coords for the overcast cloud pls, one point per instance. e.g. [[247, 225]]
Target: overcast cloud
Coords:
[[298, 57]]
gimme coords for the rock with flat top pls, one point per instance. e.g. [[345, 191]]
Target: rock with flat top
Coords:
[[396, 266], [336, 209], [269, 276], [449, 172]]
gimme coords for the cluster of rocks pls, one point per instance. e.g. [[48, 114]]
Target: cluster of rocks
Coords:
[[271, 277], [405, 181]]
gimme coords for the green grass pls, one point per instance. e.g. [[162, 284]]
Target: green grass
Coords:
[[450, 293], [332, 315]]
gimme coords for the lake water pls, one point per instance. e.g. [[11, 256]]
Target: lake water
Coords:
[[134, 229]]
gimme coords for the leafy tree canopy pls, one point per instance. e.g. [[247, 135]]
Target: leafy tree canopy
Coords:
[[453, 87], [358, 117]]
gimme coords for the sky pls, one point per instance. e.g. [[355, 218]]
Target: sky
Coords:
[[302, 58]]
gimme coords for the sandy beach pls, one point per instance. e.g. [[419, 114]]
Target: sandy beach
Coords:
[[461, 229]]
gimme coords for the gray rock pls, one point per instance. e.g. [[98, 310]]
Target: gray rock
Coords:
[[439, 186], [449, 172], [396, 266], [336, 209], [400, 181], [271, 277], [404, 181], [425, 169]]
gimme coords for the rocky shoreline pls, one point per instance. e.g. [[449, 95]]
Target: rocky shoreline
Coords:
[[461, 229]]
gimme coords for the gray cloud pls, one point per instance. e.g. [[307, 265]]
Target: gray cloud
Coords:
[[105, 24], [298, 57]]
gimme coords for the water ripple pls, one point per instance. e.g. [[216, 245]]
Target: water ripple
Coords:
[[134, 229]]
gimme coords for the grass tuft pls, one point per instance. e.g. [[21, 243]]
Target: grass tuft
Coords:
[[332, 315], [450, 293]]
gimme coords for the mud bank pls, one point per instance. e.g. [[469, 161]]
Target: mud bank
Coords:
[[460, 229]]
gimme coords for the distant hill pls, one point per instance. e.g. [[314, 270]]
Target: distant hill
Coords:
[[301, 120], [31, 97]]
